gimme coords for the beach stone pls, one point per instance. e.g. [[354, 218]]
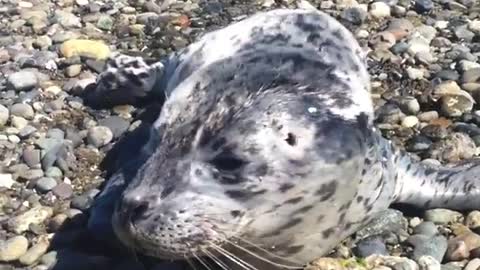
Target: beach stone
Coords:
[[23, 80], [86, 48], [35, 215], [13, 248]]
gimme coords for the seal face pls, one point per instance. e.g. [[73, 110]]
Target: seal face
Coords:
[[261, 142]]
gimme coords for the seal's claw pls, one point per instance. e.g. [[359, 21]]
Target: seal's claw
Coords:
[[125, 80]]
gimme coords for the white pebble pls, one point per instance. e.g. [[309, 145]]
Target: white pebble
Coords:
[[380, 10]]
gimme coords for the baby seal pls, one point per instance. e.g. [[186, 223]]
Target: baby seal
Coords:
[[265, 146]]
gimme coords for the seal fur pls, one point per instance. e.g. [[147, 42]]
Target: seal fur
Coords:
[[266, 140]]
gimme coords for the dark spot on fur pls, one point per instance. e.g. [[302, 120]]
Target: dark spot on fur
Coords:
[[303, 209], [326, 191], [261, 170], [290, 224], [328, 232], [236, 213], [359, 199], [293, 249], [167, 191], [320, 218], [285, 187], [294, 200]]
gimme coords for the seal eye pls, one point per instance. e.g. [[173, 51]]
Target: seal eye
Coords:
[[227, 162]]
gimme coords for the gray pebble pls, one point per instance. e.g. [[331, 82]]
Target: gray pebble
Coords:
[[116, 124], [435, 246], [31, 157], [45, 184], [426, 228], [63, 191], [370, 246], [26, 131], [23, 80], [22, 110], [54, 172], [56, 133]]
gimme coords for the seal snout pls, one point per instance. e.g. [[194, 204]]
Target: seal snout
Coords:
[[133, 208]]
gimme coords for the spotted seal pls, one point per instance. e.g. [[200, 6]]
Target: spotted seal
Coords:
[[264, 145]]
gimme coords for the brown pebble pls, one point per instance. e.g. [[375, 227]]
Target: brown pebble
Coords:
[[457, 250]]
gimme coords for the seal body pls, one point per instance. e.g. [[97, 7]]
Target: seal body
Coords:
[[265, 146]]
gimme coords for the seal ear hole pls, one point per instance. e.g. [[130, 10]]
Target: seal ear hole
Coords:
[[291, 139]]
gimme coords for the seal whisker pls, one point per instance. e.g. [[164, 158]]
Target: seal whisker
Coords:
[[261, 257], [233, 257], [216, 259], [189, 261], [201, 261], [265, 250]]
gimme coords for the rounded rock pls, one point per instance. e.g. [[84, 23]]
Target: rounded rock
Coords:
[[23, 80], [4, 115], [22, 110], [99, 136], [45, 184], [13, 248], [35, 252]]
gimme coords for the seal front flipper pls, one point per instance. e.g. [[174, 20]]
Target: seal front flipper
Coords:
[[127, 80]]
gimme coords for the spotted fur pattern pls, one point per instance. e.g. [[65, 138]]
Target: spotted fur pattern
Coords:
[[266, 135]]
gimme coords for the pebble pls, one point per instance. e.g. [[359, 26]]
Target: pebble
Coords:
[[18, 122], [473, 219], [423, 6], [457, 250], [22, 110], [45, 184], [370, 246], [82, 2], [105, 22], [35, 252], [410, 121], [4, 115], [31, 157], [63, 191], [415, 73], [426, 228], [99, 136], [86, 48], [473, 264], [23, 80], [6, 180], [428, 263], [35, 215], [73, 70], [379, 10], [434, 246], [116, 124], [442, 216], [13, 248]]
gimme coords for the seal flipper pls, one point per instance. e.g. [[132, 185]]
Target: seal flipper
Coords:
[[455, 186], [127, 80]]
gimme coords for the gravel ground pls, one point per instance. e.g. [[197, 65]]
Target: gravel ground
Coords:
[[425, 75]]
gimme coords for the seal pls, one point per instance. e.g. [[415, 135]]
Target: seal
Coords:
[[265, 146]]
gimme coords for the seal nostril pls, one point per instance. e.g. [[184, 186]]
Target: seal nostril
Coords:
[[135, 208], [138, 211]]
